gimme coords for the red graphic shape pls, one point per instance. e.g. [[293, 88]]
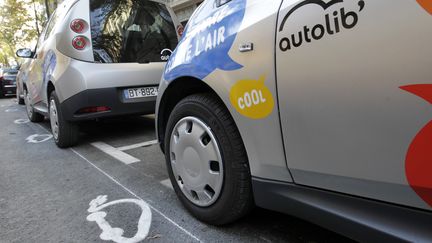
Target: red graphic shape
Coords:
[[426, 4], [418, 163]]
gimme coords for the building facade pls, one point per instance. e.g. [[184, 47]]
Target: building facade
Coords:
[[184, 8]]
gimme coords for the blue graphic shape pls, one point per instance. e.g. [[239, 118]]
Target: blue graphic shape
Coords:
[[207, 41], [48, 66]]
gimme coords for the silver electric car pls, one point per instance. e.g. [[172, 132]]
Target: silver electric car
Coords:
[[319, 109], [98, 59]]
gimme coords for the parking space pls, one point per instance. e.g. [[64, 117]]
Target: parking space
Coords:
[[90, 194]]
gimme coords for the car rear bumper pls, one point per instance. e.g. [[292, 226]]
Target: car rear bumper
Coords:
[[358, 218], [9, 90], [105, 97]]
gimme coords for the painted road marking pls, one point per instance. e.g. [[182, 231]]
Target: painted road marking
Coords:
[[115, 153], [38, 138], [21, 121], [135, 195], [131, 192], [138, 145], [167, 183], [116, 234], [11, 110]]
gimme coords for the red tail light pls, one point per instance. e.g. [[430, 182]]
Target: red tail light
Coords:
[[93, 109], [180, 30], [79, 42], [78, 26]]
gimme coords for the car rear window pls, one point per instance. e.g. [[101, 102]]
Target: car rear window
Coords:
[[126, 31]]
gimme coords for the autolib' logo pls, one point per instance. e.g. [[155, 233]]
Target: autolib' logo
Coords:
[[332, 24], [165, 54]]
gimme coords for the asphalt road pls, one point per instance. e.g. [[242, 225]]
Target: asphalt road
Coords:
[[45, 192]]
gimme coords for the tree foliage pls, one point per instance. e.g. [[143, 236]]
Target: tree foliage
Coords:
[[21, 22]]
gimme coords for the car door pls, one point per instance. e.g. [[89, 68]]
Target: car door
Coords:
[[354, 86], [35, 82]]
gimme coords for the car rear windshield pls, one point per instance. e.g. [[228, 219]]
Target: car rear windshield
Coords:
[[126, 31]]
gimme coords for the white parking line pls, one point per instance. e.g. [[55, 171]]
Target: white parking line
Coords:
[[38, 138], [115, 153], [167, 183], [138, 145]]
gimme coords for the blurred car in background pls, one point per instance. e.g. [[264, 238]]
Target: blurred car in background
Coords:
[[97, 59], [8, 82]]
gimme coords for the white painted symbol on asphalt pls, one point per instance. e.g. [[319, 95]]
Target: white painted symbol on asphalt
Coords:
[[11, 110], [21, 121], [116, 234], [38, 138], [167, 183]]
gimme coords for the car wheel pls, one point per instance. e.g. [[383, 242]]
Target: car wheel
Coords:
[[32, 115], [65, 133], [207, 161], [19, 99]]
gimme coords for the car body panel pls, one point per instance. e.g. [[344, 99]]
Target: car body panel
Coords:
[[22, 77], [265, 161], [347, 124]]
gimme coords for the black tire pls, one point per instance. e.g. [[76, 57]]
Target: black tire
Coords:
[[236, 198], [68, 132], [19, 99], [31, 113]]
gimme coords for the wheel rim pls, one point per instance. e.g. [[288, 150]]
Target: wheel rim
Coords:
[[29, 108], [54, 119], [196, 161]]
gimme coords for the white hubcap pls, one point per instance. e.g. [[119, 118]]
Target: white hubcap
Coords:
[[54, 119], [196, 161], [27, 103]]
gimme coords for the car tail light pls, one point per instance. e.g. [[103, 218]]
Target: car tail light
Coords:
[[180, 30], [94, 109], [79, 42], [78, 26]]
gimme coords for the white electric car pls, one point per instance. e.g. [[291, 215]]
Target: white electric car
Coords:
[[316, 108], [98, 59]]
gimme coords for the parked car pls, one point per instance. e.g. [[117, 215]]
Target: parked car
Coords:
[[21, 76], [305, 107], [98, 59], [8, 82]]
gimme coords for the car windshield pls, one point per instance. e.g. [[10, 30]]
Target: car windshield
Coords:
[[131, 31]]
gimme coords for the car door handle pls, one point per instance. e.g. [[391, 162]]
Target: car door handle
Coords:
[[246, 47]]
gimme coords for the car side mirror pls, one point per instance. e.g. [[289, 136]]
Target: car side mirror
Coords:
[[24, 53]]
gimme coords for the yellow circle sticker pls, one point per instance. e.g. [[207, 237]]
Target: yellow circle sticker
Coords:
[[252, 98]]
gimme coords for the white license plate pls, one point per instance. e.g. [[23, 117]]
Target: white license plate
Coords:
[[142, 92]]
